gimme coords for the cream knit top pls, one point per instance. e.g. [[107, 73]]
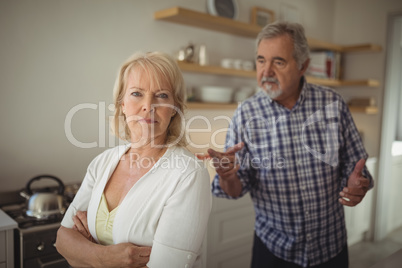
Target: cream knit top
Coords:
[[104, 222]]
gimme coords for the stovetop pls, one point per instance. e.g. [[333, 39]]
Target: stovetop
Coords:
[[18, 213], [17, 208]]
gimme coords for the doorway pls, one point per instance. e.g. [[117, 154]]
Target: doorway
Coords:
[[387, 204]]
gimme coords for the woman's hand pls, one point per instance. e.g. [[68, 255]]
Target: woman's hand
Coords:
[[125, 255], [119, 255], [81, 225]]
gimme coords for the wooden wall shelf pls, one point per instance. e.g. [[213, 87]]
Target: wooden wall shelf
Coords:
[[233, 106], [315, 44], [207, 21], [362, 48], [210, 106], [221, 24], [364, 109], [342, 83], [216, 70]]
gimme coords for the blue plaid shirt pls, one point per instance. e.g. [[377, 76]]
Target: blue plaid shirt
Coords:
[[294, 164]]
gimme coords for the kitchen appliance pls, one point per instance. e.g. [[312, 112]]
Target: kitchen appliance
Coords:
[[35, 237], [44, 204]]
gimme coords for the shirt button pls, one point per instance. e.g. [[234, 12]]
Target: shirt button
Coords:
[[186, 266], [295, 137], [308, 236], [189, 257], [302, 187], [307, 213], [299, 162]]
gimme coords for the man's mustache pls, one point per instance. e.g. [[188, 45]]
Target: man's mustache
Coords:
[[270, 80]]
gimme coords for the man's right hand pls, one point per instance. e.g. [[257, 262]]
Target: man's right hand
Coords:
[[225, 163], [226, 167]]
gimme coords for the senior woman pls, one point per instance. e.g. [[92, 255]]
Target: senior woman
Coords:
[[147, 202]]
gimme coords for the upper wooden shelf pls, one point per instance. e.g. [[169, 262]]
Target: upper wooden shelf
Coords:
[[192, 67], [207, 21], [222, 24]]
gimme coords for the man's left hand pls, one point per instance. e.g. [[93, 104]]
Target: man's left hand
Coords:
[[357, 186]]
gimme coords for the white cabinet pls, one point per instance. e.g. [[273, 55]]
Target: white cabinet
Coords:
[[395, 197], [6, 241], [230, 233], [3, 246], [358, 218]]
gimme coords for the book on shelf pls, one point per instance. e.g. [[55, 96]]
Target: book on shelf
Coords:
[[325, 64]]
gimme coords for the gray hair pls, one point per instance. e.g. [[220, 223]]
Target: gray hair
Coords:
[[295, 31]]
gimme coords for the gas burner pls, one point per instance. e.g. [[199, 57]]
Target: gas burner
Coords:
[[27, 223], [18, 213]]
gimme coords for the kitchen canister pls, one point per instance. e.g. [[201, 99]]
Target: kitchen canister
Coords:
[[202, 55]]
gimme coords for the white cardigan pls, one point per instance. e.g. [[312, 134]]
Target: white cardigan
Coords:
[[168, 208]]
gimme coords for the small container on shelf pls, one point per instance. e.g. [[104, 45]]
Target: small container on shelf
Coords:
[[216, 94]]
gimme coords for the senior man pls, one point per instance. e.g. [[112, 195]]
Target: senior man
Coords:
[[295, 148]]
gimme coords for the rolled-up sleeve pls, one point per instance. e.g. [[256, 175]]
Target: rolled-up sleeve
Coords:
[[183, 223]]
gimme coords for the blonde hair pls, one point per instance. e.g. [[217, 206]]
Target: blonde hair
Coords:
[[159, 67]]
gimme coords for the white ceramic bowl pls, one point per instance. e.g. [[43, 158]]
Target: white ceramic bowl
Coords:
[[227, 63], [216, 94]]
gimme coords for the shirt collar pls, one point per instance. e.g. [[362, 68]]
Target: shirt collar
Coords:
[[303, 91]]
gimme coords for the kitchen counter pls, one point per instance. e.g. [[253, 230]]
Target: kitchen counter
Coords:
[[6, 223]]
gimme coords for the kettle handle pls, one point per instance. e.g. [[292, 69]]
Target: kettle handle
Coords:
[[61, 184]]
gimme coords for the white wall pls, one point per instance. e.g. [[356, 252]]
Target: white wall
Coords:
[[375, 20], [365, 21], [58, 54]]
